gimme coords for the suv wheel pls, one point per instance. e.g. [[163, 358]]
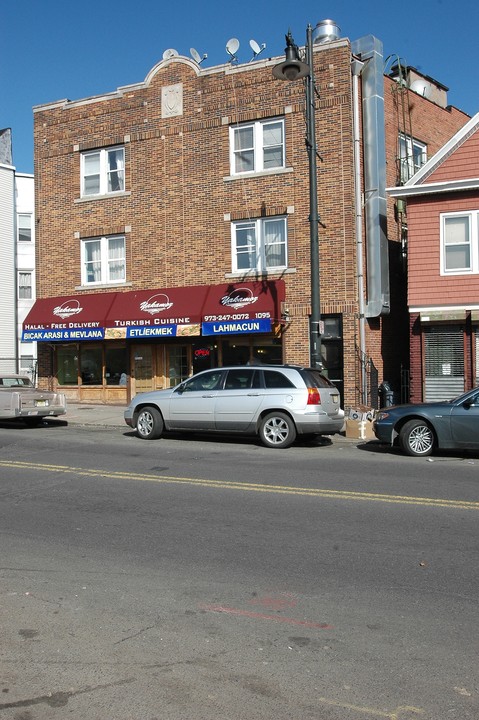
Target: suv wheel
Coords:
[[277, 430], [149, 424]]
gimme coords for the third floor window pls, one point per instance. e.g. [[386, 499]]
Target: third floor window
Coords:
[[103, 171], [412, 156], [257, 146]]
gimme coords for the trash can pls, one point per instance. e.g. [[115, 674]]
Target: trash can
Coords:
[[386, 395]]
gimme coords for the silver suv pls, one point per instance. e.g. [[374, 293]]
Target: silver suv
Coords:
[[275, 402]]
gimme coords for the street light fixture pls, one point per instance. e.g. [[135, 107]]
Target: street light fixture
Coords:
[[293, 68]]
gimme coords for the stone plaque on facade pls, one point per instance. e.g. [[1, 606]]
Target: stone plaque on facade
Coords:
[[172, 100]]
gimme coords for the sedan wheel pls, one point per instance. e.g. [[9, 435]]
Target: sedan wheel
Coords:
[[416, 438], [277, 430], [149, 425]]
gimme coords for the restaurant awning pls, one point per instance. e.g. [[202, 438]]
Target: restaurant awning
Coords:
[[168, 312], [245, 307], [230, 308], [71, 317]]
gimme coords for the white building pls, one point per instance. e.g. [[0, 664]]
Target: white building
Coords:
[[25, 265], [17, 269]]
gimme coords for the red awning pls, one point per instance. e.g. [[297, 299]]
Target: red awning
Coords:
[[170, 306], [152, 313], [80, 311], [244, 300]]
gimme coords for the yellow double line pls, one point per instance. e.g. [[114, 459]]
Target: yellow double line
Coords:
[[245, 486]]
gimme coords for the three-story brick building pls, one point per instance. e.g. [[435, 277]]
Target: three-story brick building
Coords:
[[173, 228]]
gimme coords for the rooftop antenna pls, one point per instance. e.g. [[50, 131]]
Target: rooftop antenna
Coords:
[[256, 49], [232, 48], [170, 53], [196, 56]]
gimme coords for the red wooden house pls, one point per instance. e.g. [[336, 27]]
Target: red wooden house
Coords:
[[443, 268]]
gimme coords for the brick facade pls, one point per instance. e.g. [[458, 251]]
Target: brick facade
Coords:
[[180, 198]]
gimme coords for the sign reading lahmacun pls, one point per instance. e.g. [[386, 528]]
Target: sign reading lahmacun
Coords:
[[236, 327], [177, 312]]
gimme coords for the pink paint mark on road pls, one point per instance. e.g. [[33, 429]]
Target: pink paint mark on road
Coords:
[[263, 616], [275, 603]]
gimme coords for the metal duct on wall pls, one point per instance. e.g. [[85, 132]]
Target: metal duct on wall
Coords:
[[370, 51]]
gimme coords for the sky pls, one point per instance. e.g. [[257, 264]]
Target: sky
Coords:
[[56, 49]]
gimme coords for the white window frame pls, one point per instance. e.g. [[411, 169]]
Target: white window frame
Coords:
[[105, 263], [27, 274], [258, 247], [22, 226], [258, 146], [471, 242], [415, 156], [104, 172]]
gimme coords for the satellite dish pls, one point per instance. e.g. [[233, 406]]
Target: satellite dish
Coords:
[[170, 53], [421, 87], [256, 48], [232, 48], [196, 56]]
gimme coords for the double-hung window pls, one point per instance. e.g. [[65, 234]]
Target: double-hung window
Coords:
[[103, 260], [459, 243], [103, 171], [260, 244], [24, 227], [25, 285], [257, 146], [412, 156]]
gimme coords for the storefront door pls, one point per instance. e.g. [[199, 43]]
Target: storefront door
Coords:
[[142, 369]]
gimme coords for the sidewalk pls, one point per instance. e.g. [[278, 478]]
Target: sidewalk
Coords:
[[101, 415], [112, 416]]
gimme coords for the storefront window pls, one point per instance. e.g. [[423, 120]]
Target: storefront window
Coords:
[[91, 366], [67, 365], [242, 350], [267, 351], [236, 351], [178, 368], [205, 356], [116, 365]]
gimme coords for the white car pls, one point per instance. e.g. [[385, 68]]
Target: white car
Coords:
[[20, 399], [275, 402]]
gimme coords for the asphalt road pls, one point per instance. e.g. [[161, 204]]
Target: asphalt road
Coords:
[[214, 578]]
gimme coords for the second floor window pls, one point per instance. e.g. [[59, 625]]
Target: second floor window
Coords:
[[25, 286], [103, 172], [460, 243], [412, 156], [259, 244], [24, 224], [103, 260], [257, 146]]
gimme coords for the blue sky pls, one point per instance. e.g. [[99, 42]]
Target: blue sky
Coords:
[[54, 49]]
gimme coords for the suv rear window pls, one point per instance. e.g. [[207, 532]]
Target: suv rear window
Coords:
[[315, 378]]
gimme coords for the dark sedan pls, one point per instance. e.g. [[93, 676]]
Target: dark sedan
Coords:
[[421, 428]]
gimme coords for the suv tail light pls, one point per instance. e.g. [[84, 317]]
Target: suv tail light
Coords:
[[313, 396]]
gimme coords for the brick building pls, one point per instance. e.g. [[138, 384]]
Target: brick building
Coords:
[[443, 268], [173, 222]]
